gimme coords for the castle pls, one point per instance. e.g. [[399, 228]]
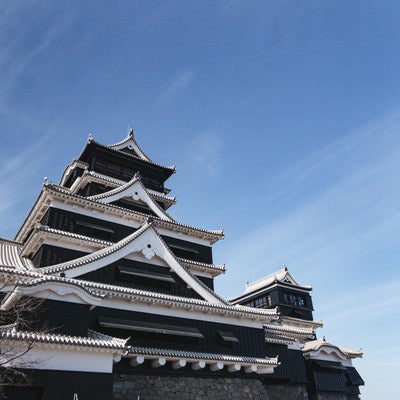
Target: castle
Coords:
[[128, 308]]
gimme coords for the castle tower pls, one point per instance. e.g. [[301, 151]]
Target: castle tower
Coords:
[[128, 300]]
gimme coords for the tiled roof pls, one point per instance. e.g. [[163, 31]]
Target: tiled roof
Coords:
[[130, 140], [90, 258], [10, 255], [280, 276], [50, 189], [170, 224], [114, 182], [315, 345], [106, 290], [191, 355], [184, 302], [289, 329], [119, 190], [171, 167], [95, 339], [201, 265], [57, 232], [115, 247], [216, 269]]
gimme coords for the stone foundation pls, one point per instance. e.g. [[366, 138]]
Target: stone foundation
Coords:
[[136, 387], [287, 392], [143, 387]]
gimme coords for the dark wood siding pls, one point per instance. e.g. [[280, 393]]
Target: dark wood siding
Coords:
[[123, 166], [144, 276], [62, 317], [51, 255], [100, 229], [327, 376], [114, 274], [251, 340], [292, 367]]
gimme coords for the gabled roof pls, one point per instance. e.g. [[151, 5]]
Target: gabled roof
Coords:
[[129, 144], [93, 176], [42, 232], [282, 276], [51, 192], [168, 170], [135, 190], [29, 278], [145, 240], [320, 348]]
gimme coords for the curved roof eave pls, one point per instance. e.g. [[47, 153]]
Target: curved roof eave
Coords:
[[130, 142], [130, 244], [168, 169], [135, 189]]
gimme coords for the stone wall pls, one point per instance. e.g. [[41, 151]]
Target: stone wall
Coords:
[[139, 387], [143, 387], [287, 392]]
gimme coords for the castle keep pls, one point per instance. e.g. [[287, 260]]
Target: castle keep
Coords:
[[129, 306]]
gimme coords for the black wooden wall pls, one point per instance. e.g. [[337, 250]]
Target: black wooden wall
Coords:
[[105, 230]]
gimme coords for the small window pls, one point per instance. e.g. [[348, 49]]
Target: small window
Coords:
[[92, 229], [260, 302], [146, 274], [150, 327], [294, 300], [228, 337]]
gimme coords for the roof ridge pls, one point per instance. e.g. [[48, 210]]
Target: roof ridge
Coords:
[[135, 179], [57, 188], [171, 167]]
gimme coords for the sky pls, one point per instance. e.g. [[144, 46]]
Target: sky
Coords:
[[282, 118]]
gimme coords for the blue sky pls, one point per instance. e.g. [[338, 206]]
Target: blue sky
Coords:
[[283, 120]]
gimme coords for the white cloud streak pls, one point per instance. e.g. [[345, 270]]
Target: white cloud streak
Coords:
[[336, 225], [331, 222], [15, 57], [175, 85], [16, 174], [205, 150]]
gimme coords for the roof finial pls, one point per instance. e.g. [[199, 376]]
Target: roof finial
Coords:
[[90, 137], [130, 133], [323, 338]]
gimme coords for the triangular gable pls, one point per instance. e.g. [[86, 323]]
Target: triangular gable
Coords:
[[135, 190], [287, 278], [129, 144], [146, 241]]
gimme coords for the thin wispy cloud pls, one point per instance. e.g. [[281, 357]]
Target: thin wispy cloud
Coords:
[[337, 220], [156, 17], [335, 223], [205, 149], [175, 85], [382, 300], [15, 56], [16, 174]]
